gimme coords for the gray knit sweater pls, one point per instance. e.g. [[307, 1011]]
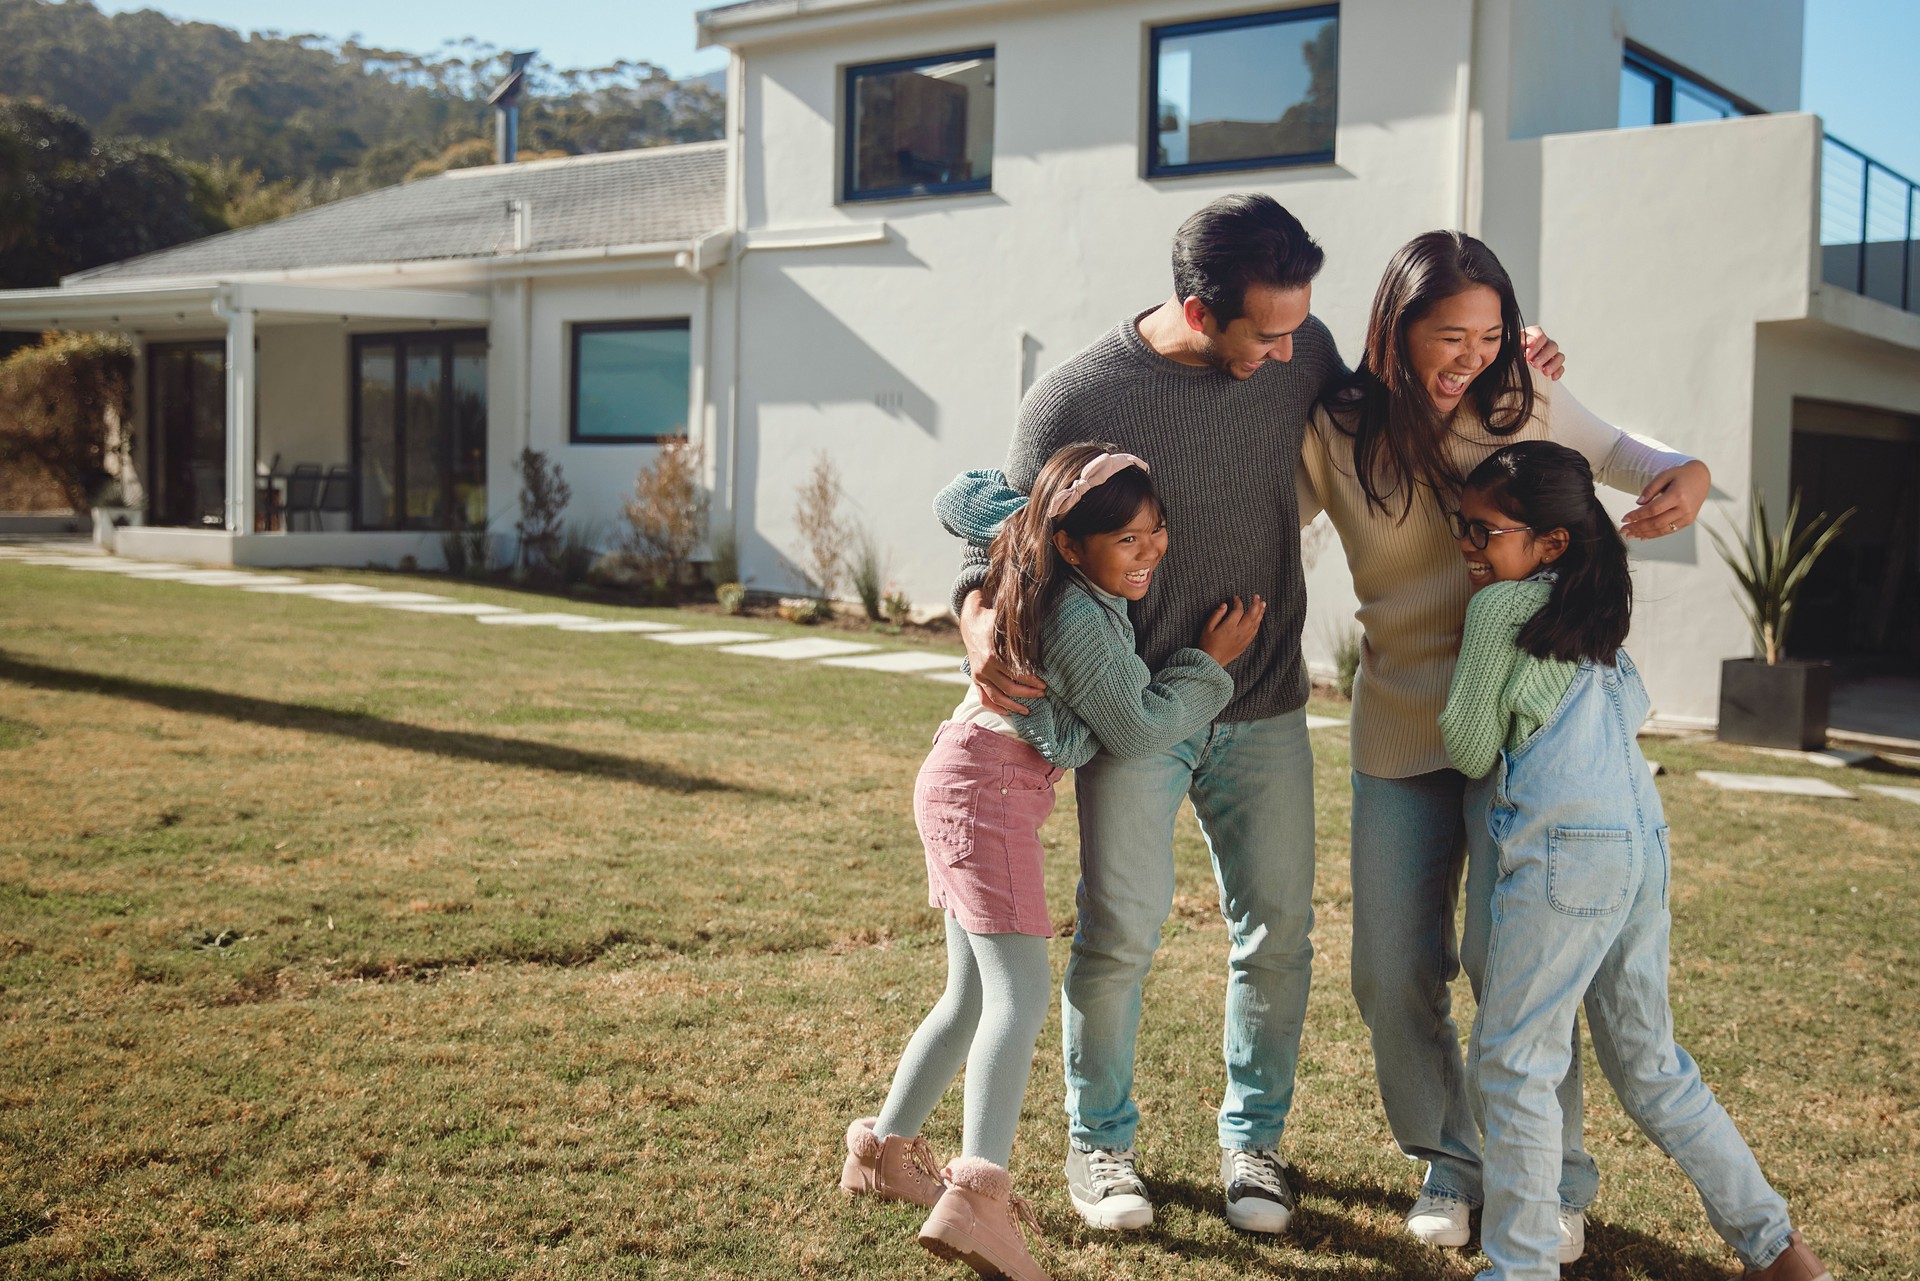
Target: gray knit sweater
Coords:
[[1223, 452], [1101, 696]]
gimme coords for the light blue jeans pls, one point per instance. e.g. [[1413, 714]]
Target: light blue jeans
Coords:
[[1409, 842], [1579, 913], [1251, 783]]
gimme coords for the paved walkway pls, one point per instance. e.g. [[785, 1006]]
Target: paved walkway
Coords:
[[829, 651]]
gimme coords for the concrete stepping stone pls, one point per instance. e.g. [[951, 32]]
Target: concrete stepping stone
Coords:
[[105, 566], [1323, 722], [621, 625], [800, 647], [897, 660], [533, 620], [316, 589], [395, 599], [209, 577], [1909, 794], [705, 638], [950, 678], [1777, 784], [472, 607]]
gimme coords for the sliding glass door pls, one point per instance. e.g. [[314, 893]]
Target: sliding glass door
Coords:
[[420, 430], [187, 422]]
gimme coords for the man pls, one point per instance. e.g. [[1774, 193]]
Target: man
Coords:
[[1212, 388]]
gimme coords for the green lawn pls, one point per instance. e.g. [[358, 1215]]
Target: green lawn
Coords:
[[338, 941]]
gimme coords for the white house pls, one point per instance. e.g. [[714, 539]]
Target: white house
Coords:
[[922, 205]]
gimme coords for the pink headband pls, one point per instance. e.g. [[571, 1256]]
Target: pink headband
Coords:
[[1096, 473]]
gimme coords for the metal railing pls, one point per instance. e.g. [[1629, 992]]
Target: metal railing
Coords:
[[1868, 227]]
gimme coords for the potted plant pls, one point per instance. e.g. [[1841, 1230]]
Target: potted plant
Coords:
[[1770, 700]]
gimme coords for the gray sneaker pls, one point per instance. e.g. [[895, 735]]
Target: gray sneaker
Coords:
[[1106, 1189], [1258, 1198]]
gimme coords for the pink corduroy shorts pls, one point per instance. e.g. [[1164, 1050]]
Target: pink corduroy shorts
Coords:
[[979, 802]]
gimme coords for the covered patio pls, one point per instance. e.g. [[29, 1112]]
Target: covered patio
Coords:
[[233, 377]]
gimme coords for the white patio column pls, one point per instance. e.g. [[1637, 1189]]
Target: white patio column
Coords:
[[241, 482]]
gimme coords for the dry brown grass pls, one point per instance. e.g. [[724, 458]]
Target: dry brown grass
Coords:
[[347, 943]]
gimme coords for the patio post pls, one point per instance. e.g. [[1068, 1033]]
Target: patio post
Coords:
[[241, 482]]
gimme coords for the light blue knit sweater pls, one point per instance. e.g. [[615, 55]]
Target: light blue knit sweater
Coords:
[[1100, 693]]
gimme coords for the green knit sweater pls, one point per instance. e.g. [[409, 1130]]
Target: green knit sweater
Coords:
[[1501, 694]]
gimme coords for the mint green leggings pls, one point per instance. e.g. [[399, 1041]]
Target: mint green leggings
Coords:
[[998, 990]]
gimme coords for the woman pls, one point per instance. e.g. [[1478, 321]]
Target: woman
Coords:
[[1444, 383]]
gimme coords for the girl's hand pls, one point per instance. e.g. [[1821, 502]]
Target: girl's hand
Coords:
[[1542, 352], [1670, 502], [1230, 630]]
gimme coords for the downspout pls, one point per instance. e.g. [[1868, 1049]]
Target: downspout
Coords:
[[1463, 109]]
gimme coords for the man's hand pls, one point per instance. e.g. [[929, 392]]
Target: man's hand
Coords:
[[1670, 502], [1000, 687], [1542, 352]]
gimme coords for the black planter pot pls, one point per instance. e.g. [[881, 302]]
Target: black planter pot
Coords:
[[1779, 705]]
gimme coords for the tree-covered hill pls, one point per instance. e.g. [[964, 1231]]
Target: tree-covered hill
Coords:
[[258, 126]]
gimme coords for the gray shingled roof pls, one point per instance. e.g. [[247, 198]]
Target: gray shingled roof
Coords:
[[661, 194]]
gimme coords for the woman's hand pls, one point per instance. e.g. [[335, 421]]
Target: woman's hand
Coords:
[[1670, 502], [1230, 630], [1542, 352], [1001, 688]]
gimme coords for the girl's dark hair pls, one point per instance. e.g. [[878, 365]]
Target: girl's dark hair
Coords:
[[1399, 437], [1027, 573], [1547, 487]]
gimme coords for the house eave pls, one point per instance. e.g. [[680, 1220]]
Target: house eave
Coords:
[[732, 26]]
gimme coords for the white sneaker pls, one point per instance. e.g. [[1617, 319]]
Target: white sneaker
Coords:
[[1573, 1234], [1258, 1198], [1106, 1189], [1440, 1218]]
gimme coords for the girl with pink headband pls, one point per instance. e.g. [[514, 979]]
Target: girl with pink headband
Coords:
[[1063, 569]]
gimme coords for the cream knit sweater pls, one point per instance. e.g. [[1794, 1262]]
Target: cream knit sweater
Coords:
[[1411, 580]]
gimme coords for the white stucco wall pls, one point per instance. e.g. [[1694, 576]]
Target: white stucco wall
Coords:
[[905, 359], [529, 386]]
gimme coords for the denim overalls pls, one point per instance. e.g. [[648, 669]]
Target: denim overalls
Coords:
[[1580, 914]]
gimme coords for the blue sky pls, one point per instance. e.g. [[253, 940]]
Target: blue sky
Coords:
[[1858, 74]]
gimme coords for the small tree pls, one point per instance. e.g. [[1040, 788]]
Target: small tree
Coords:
[[817, 517], [1770, 568], [544, 494], [63, 409], [668, 514]]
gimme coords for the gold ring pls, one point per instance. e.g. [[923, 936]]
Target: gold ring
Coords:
[[1673, 529]]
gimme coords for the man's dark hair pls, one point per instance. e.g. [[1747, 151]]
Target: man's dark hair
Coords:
[[1237, 241]]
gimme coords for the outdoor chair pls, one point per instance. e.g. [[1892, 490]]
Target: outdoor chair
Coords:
[[304, 484], [336, 497]]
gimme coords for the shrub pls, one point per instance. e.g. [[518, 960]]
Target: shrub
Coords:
[[803, 609], [577, 554], [869, 572], [896, 606], [64, 407], [667, 516], [817, 518], [732, 597], [1346, 661], [544, 494], [468, 548], [725, 565]]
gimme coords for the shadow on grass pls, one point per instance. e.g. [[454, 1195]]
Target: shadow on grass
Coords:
[[456, 744], [1613, 1253]]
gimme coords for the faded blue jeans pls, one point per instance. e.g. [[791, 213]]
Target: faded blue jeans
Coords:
[[1579, 913], [1251, 783], [1410, 839]]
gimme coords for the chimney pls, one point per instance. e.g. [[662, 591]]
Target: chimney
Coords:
[[505, 100]]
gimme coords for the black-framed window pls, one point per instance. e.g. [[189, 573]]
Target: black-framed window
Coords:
[[420, 429], [631, 381], [918, 127], [1255, 91], [1654, 91]]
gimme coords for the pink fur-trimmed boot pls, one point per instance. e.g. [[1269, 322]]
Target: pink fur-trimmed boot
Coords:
[[895, 1168], [978, 1222]]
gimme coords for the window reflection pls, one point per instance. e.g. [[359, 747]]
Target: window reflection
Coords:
[[921, 126], [1246, 92]]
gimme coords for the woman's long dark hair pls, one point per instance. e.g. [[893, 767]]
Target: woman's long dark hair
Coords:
[[1399, 437], [1027, 572], [1547, 487]]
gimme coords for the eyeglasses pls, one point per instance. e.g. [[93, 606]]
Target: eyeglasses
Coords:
[[1478, 531]]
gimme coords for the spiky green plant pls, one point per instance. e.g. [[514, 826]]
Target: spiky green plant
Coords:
[[1771, 567]]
